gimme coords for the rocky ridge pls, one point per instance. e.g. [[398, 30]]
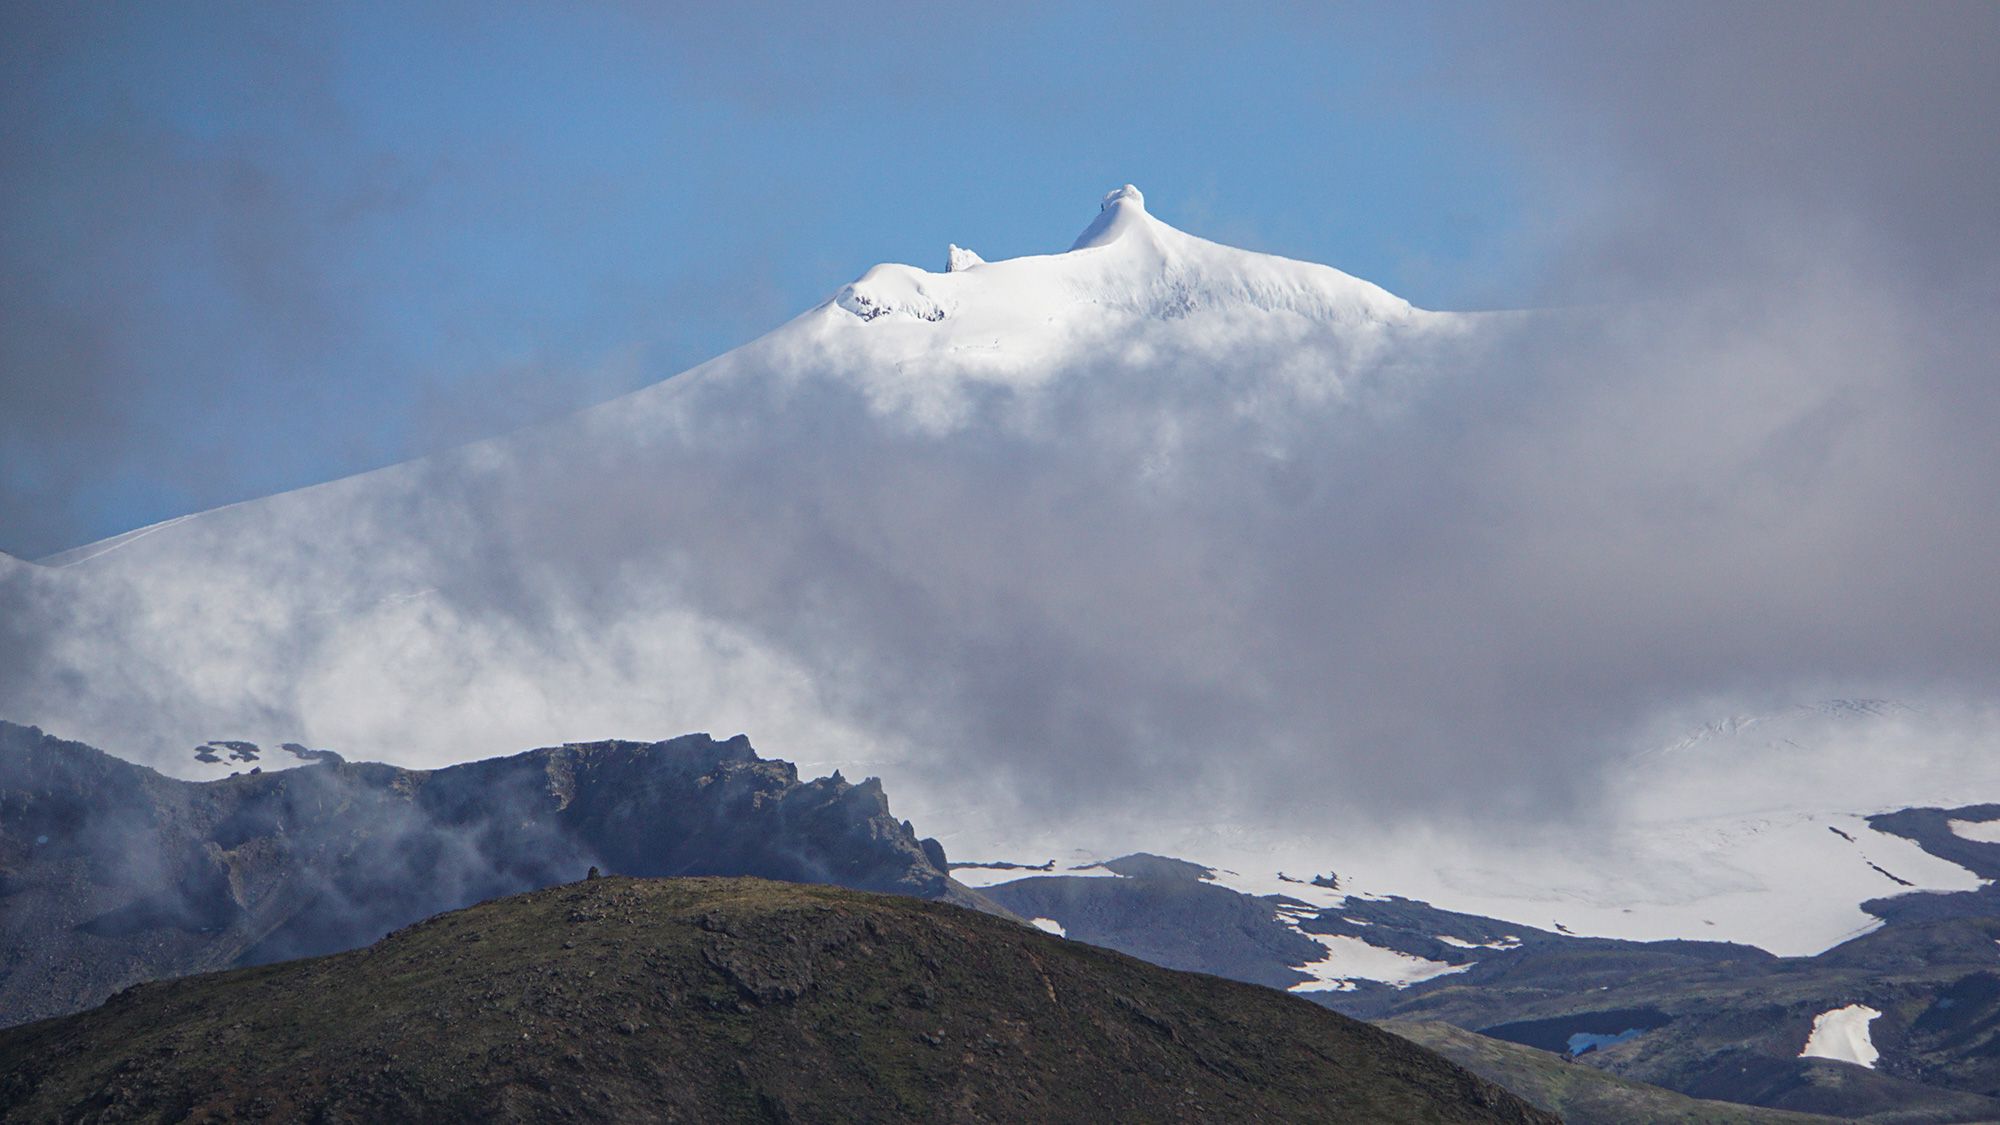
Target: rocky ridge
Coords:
[[112, 873]]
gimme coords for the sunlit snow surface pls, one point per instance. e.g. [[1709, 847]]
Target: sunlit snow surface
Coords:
[[1048, 926], [1842, 1034], [1349, 959]]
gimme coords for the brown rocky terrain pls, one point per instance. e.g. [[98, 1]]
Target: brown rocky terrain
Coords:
[[722, 1000]]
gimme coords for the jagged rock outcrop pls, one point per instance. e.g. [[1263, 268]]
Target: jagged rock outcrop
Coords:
[[111, 873]]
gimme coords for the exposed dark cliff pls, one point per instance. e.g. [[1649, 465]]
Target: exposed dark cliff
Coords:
[[111, 873]]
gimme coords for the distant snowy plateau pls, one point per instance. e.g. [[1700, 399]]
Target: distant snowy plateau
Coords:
[[903, 534]]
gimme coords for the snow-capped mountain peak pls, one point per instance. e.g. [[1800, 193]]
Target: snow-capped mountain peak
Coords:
[[1127, 265], [1122, 213], [958, 259]]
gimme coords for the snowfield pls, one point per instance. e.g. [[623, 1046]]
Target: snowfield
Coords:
[[1725, 834]]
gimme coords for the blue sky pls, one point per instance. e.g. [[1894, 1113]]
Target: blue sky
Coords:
[[253, 247]]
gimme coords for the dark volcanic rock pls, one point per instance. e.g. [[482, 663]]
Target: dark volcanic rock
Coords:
[[1169, 917], [111, 873], [725, 1000], [1930, 829]]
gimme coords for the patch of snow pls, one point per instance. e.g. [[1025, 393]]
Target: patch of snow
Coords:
[[1349, 959], [1049, 926], [1842, 1034], [1978, 831], [976, 876], [1508, 942]]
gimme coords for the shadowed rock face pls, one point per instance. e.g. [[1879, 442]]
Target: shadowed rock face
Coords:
[[726, 1000], [111, 873]]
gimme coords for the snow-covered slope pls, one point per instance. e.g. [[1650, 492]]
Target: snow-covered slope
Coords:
[[921, 343], [1106, 550], [600, 573], [1751, 828]]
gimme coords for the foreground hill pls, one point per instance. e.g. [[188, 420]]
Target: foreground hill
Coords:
[[112, 874], [725, 999]]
